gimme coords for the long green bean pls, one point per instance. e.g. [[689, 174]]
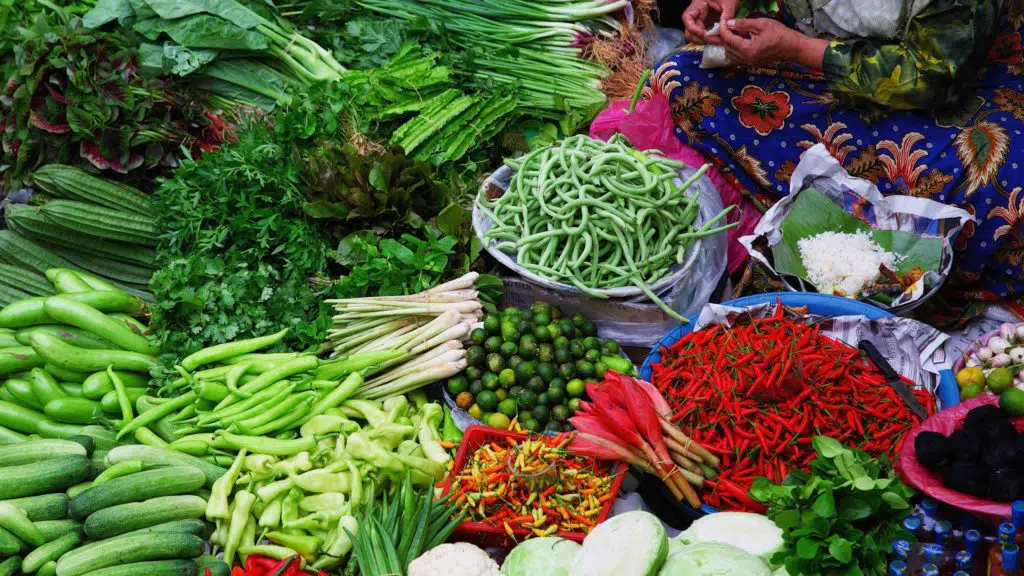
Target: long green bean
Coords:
[[598, 215]]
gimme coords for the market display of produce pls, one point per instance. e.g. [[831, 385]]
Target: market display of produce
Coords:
[[319, 288]]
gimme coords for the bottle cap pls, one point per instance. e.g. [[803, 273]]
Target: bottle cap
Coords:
[[901, 549], [933, 553], [1011, 557], [963, 559], [930, 570], [930, 507], [1006, 532], [943, 529], [897, 568], [960, 573], [911, 523]]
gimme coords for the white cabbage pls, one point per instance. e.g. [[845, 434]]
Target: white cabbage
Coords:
[[549, 556], [752, 533], [634, 543], [712, 559]]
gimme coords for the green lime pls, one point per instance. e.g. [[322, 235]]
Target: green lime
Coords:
[[508, 407], [495, 362], [542, 319], [556, 312], [555, 331], [509, 332], [478, 335], [528, 339], [567, 371], [487, 400], [555, 395], [490, 380], [502, 394], [574, 404], [592, 355], [576, 349], [972, 375], [542, 399], [475, 356], [524, 327], [584, 369], [546, 352], [458, 384], [610, 348], [476, 412], [474, 373], [971, 391], [578, 319], [537, 384], [600, 369], [507, 377], [589, 328], [575, 388], [999, 380], [560, 413], [476, 386], [567, 328], [528, 349], [492, 325], [562, 355], [1012, 401], [511, 312], [499, 420], [542, 333], [592, 343], [527, 399], [541, 413], [531, 424], [547, 371], [540, 308], [514, 361], [557, 382], [515, 391], [560, 342], [524, 371], [508, 349], [492, 344]]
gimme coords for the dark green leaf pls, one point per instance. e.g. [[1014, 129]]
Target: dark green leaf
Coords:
[[840, 549], [827, 447], [807, 548], [853, 508], [825, 505], [896, 501], [106, 11], [788, 519], [331, 210], [452, 219]]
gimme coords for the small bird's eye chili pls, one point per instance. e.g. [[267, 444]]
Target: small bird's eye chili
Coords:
[[755, 394]]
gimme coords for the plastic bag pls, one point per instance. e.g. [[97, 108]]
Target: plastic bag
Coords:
[[930, 483], [650, 126]]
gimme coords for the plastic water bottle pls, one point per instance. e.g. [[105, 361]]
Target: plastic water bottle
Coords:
[[901, 549], [1007, 531], [943, 532], [972, 542], [913, 525]]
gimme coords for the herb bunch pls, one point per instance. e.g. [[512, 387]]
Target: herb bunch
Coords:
[[842, 518]]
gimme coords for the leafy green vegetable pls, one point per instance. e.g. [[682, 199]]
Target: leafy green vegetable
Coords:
[[842, 518], [391, 267]]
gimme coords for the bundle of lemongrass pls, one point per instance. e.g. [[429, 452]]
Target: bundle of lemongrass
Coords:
[[427, 328]]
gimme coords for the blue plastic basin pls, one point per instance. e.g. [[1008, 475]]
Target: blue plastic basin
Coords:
[[820, 304]]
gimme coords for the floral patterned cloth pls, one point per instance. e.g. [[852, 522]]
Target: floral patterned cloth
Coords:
[[755, 124]]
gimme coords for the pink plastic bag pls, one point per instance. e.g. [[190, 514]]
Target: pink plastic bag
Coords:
[[650, 126], [930, 483]]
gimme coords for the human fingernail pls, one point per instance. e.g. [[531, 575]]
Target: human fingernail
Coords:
[[731, 23]]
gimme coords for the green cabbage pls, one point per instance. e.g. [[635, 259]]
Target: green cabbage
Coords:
[[752, 533], [712, 559], [633, 543], [548, 556]]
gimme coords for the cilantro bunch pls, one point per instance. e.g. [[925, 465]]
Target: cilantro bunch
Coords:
[[842, 518]]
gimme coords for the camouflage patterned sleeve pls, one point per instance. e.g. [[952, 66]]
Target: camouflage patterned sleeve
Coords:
[[932, 67]]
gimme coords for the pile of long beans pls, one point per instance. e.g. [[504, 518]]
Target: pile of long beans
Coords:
[[598, 215], [427, 330]]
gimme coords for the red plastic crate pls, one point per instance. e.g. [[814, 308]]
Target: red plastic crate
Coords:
[[486, 535]]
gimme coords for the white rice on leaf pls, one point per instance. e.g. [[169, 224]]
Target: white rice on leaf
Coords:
[[842, 263]]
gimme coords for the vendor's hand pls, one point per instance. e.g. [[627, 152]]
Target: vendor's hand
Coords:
[[763, 41], [702, 15]]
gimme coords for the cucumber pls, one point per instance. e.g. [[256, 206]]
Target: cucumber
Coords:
[[9, 543], [37, 450], [129, 549], [103, 438], [53, 550], [124, 518], [155, 568], [48, 476], [42, 507], [78, 489], [137, 487], [48, 569], [11, 566], [53, 529], [151, 455], [195, 527]]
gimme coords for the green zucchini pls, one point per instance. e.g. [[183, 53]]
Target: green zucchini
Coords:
[[46, 477], [169, 481], [11, 566], [124, 518], [37, 450], [151, 455], [43, 507], [129, 549]]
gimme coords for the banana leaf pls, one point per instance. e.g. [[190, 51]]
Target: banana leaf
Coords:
[[813, 213]]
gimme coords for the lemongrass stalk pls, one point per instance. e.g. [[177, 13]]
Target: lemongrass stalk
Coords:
[[464, 282], [392, 340], [360, 327], [456, 332], [413, 366], [414, 381], [439, 350], [436, 326], [368, 341]]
